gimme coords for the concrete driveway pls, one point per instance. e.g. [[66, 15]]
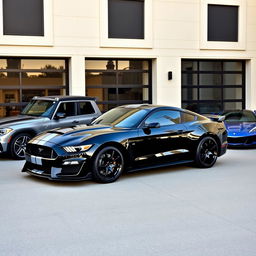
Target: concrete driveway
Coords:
[[169, 211]]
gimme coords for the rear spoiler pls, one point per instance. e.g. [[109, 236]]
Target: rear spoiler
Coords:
[[216, 118]]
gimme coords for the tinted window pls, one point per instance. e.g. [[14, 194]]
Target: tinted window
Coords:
[[122, 117], [185, 117], [126, 19], [222, 23], [23, 17], [242, 116], [164, 118], [85, 108], [39, 108], [68, 108]]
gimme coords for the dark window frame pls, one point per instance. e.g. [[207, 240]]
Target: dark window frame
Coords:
[[22, 87], [221, 101], [118, 86]]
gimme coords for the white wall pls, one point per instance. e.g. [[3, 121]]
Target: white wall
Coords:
[[175, 35]]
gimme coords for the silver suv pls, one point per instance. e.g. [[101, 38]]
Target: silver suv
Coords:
[[44, 113]]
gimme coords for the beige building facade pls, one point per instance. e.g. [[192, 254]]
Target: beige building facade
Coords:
[[175, 59]]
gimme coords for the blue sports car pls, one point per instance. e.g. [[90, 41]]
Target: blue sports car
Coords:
[[241, 127]]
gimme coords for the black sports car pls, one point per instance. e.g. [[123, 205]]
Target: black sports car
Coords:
[[130, 138]]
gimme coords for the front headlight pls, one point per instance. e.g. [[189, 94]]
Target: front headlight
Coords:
[[77, 149], [5, 131], [253, 130]]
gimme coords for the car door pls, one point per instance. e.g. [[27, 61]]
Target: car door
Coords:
[[160, 136], [65, 115]]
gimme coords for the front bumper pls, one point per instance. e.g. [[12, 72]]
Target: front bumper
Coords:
[[61, 168], [4, 143], [243, 141]]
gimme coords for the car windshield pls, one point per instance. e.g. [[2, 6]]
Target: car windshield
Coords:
[[240, 116], [122, 117], [42, 108]]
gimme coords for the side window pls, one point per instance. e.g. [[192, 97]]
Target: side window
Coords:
[[164, 118], [68, 108], [85, 108], [185, 117]]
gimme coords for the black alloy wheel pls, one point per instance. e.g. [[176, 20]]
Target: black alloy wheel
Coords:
[[108, 165], [18, 145], [206, 153]]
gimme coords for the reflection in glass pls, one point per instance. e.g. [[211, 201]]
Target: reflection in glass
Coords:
[[189, 65], [42, 64], [133, 94], [232, 93], [132, 64], [232, 66], [43, 78], [100, 78], [189, 79], [100, 64], [27, 95], [210, 66], [232, 106], [9, 78], [210, 93], [189, 94], [210, 79], [132, 78], [232, 79]]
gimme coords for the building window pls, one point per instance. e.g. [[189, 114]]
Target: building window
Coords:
[[23, 17], [211, 86], [222, 23], [22, 79], [126, 19], [118, 82]]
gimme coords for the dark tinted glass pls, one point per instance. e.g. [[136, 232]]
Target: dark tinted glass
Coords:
[[126, 19], [85, 108], [241, 116], [222, 23], [68, 108], [23, 17], [164, 118], [185, 117]]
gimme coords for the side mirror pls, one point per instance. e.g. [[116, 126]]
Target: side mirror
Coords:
[[152, 125], [221, 119], [60, 115]]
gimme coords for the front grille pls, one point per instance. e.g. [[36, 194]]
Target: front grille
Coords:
[[41, 151], [242, 140]]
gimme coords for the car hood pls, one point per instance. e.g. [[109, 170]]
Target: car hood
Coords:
[[239, 128], [9, 122], [76, 135]]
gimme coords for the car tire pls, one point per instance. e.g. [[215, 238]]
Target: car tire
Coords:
[[108, 165], [18, 144], [206, 152]]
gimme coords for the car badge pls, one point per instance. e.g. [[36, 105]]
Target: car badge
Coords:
[[40, 150]]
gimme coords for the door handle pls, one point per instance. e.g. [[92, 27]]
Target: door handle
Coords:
[[75, 122]]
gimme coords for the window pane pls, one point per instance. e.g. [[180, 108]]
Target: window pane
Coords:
[[27, 95], [187, 117], [67, 108], [189, 79], [210, 79], [222, 23], [126, 19], [133, 94], [85, 108], [210, 66], [133, 78], [132, 64], [100, 64], [233, 93], [43, 78], [10, 78], [232, 66], [42, 64], [25, 18], [10, 63], [10, 111], [210, 94], [102, 94], [189, 94], [97, 78], [9, 96], [164, 118], [232, 105], [189, 65], [232, 79]]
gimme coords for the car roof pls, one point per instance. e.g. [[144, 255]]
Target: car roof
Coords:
[[63, 98]]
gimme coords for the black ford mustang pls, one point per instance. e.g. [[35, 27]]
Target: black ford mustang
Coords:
[[130, 137]]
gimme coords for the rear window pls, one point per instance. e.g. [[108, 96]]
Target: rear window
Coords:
[[185, 117]]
